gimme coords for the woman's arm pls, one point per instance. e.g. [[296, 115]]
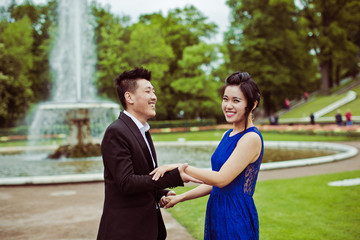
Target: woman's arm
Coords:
[[246, 151], [197, 192]]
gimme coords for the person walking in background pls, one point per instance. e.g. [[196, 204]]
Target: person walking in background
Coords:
[[231, 212], [306, 96], [287, 103], [338, 118], [312, 119], [131, 210], [348, 118]]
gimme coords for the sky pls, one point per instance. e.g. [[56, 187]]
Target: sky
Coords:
[[216, 10]]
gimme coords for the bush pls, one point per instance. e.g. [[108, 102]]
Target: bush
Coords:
[[182, 123]]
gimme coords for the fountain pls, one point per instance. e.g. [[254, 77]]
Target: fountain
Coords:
[[74, 107]]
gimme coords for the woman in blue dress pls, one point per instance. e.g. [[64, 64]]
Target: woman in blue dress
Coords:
[[231, 213]]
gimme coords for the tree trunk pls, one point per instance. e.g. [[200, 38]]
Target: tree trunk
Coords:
[[337, 75], [268, 106], [324, 67], [331, 82]]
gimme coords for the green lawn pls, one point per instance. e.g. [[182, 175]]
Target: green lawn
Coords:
[[268, 136], [216, 136], [312, 106], [296, 209], [353, 106], [322, 101]]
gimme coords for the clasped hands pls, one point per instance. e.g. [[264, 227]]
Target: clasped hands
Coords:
[[171, 199]]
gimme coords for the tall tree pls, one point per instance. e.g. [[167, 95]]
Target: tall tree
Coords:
[[111, 40], [147, 47], [329, 36], [196, 88], [265, 40], [16, 60], [42, 17], [180, 29]]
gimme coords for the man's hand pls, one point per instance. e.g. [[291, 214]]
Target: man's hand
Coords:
[[164, 200], [185, 177]]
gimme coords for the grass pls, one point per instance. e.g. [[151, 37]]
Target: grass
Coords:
[[322, 101], [353, 106], [216, 136], [312, 106], [268, 136], [297, 209]]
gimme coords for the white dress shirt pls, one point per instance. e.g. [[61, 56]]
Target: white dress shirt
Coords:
[[143, 129]]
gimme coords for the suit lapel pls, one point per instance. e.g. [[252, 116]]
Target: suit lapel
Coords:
[[148, 137], [137, 134]]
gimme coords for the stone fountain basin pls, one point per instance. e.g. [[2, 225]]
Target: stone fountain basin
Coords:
[[78, 105], [342, 152]]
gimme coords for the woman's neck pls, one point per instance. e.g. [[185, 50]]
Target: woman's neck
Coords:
[[240, 127]]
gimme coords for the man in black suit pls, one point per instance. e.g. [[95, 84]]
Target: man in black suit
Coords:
[[131, 210]]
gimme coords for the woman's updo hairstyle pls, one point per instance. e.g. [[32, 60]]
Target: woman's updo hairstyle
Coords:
[[248, 88]]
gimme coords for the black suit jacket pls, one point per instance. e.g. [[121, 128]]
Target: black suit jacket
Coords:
[[130, 193]]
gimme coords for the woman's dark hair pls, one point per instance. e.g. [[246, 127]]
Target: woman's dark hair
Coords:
[[248, 88], [126, 82]]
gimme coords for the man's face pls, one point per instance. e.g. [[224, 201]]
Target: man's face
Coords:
[[142, 101]]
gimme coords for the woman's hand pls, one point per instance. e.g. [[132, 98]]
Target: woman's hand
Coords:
[[164, 200], [160, 171], [172, 201]]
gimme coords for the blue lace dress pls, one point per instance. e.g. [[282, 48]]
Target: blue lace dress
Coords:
[[231, 213]]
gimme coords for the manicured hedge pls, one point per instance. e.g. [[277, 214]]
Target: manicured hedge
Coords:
[[182, 123]]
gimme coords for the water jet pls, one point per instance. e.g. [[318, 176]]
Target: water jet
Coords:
[[74, 108]]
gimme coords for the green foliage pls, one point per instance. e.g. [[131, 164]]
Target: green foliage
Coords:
[[111, 48], [198, 92], [277, 42], [24, 47], [16, 60], [265, 40], [156, 42], [333, 34], [182, 123], [182, 29], [148, 48]]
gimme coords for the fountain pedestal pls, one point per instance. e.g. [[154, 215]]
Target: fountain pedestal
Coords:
[[79, 140], [79, 126]]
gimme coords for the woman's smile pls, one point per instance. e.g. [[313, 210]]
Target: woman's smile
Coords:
[[230, 114]]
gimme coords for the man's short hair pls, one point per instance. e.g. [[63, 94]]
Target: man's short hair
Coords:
[[126, 82]]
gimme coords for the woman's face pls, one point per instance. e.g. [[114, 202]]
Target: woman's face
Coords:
[[233, 104]]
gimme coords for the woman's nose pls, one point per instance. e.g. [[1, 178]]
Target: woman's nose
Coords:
[[228, 105]]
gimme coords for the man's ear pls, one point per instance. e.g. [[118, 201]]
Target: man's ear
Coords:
[[129, 97]]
